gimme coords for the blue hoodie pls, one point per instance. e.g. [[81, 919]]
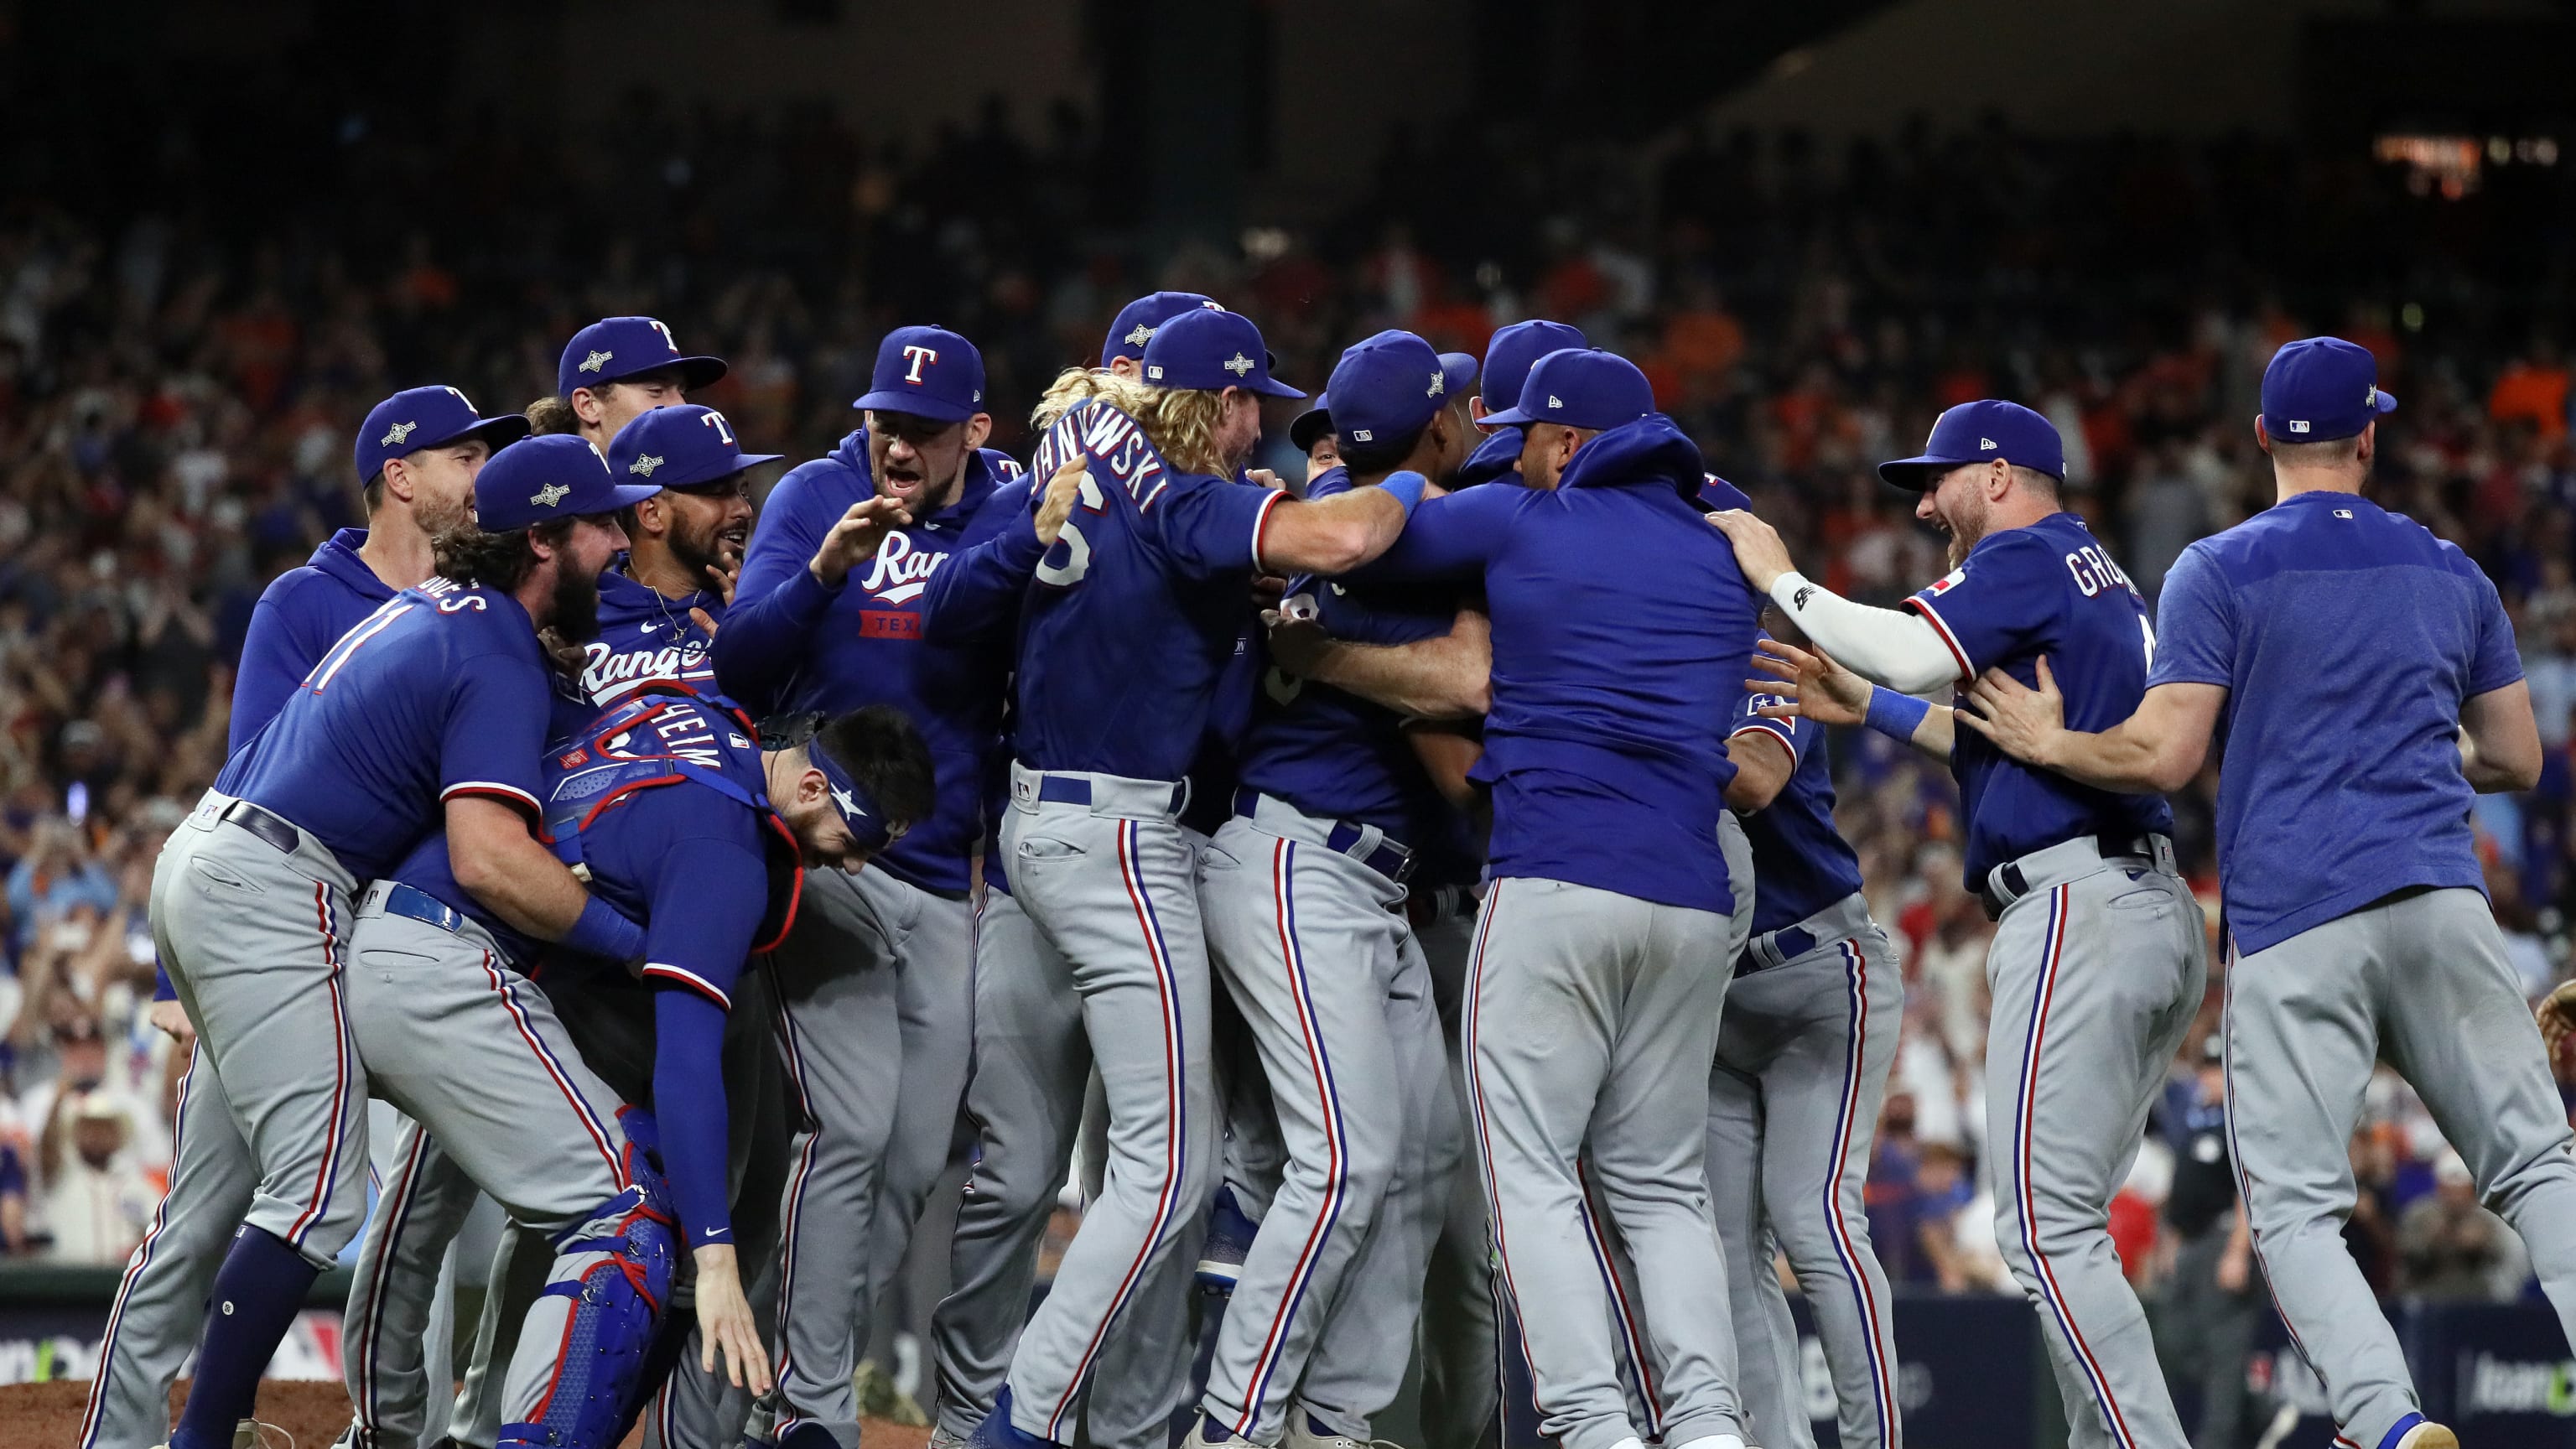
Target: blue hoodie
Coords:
[[789, 643], [1622, 633]]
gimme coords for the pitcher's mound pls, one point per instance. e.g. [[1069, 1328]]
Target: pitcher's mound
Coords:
[[48, 1416]]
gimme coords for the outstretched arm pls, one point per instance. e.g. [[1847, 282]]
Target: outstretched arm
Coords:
[[1811, 685], [1902, 651], [1448, 677], [2155, 750]]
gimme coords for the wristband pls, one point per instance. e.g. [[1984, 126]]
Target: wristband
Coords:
[[1405, 488], [1893, 714], [604, 931]]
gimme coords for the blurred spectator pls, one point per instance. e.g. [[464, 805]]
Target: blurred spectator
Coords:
[[2533, 390], [98, 1200], [2212, 1299], [2452, 1247]]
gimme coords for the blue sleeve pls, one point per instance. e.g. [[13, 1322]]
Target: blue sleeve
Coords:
[[499, 706], [689, 1108], [274, 660], [777, 602], [2003, 598], [162, 989], [1798, 733], [977, 592], [709, 893], [1209, 527], [1451, 537], [2497, 662], [2196, 624]]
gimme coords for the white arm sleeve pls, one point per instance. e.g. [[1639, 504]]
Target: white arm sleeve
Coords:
[[1885, 646]]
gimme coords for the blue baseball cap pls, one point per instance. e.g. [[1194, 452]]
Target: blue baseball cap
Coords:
[[1310, 426], [1581, 387], [538, 480], [1391, 385], [1514, 349], [680, 447], [1980, 432], [1210, 351], [1716, 495], [1139, 320], [2321, 388], [427, 417], [619, 347], [927, 372], [858, 809]]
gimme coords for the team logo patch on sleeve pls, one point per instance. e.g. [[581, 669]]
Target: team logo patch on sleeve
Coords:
[[1947, 582]]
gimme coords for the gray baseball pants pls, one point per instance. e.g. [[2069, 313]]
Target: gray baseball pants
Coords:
[[2420, 980], [1803, 1055], [1592, 1020], [1462, 1307], [2096, 970]]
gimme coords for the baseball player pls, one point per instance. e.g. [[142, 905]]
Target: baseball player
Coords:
[[1300, 892], [1803, 1053], [2363, 675], [1122, 352], [1137, 609], [1603, 946], [698, 467], [435, 704], [416, 456], [616, 370], [2099, 952], [879, 978], [1509, 355]]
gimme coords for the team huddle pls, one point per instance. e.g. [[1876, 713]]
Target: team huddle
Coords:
[[1413, 899]]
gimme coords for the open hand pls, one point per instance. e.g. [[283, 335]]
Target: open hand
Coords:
[[1758, 549], [1061, 492], [725, 1321], [858, 534], [2024, 723], [1814, 685]]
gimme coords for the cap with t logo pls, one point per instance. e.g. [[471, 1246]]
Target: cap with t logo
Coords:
[[927, 372]]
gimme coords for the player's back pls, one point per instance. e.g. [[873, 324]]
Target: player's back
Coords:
[[301, 613], [365, 750], [1801, 863], [2348, 638], [1622, 633], [1136, 610]]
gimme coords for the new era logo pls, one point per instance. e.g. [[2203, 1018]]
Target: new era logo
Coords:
[[1985, 445], [396, 435], [594, 362], [1554, 401], [1239, 365], [644, 465]]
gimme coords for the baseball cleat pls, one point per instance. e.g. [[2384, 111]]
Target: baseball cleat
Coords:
[[998, 1432], [1229, 1239], [2426, 1434]]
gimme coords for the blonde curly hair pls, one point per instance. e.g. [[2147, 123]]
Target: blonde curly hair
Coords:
[[1182, 423]]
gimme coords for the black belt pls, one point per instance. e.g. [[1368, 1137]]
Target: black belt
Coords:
[[270, 828], [1789, 943], [2111, 847], [1070, 790]]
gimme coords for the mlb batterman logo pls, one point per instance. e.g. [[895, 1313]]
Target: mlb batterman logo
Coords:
[[549, 496], [396, 435]]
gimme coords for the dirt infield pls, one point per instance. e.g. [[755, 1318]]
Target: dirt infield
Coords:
[[47, 1416]]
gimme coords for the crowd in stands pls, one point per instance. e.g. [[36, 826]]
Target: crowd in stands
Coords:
[[178, 387]]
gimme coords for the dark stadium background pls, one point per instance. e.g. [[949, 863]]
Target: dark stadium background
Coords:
[[226, 228]]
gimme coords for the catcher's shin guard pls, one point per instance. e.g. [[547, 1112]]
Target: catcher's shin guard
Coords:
[[615, 1266]]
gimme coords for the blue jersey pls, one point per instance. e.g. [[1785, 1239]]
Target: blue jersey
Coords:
[[1137, 609], [704, 864], [791, 644], [2046, 589], [2347, 638], [441, 692], [1622, 633], [301, 614], [1801, 863], [1336, 755], [645, 638]]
